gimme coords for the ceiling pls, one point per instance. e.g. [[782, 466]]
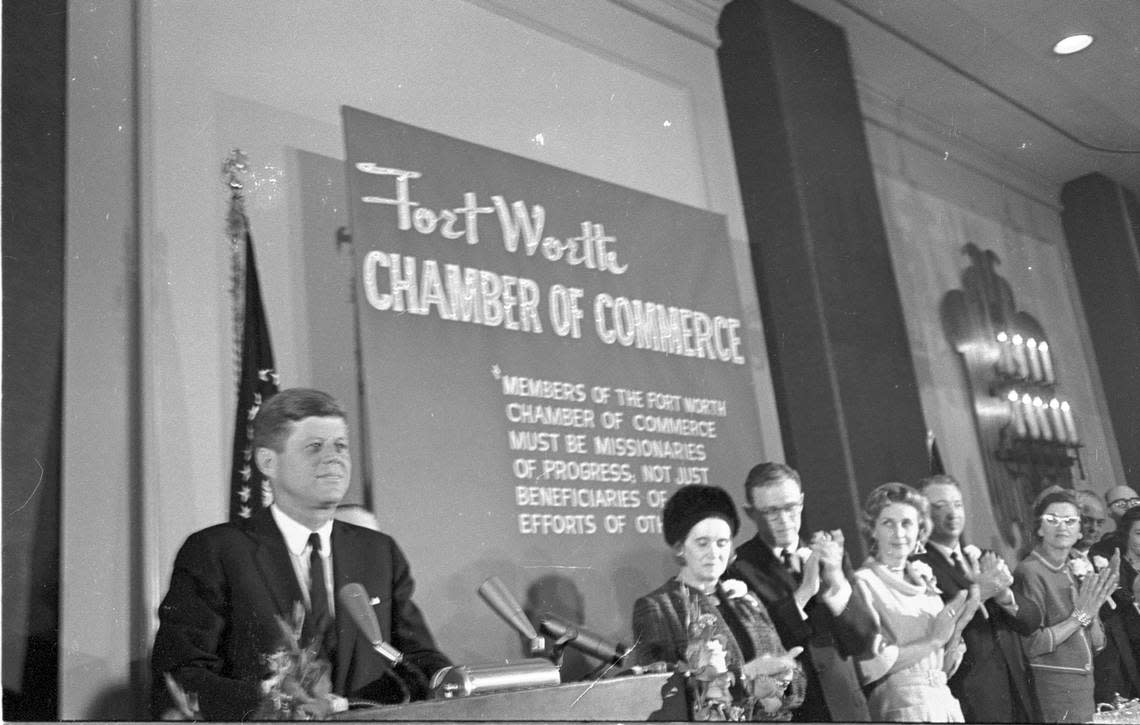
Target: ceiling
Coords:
[[984, 70]]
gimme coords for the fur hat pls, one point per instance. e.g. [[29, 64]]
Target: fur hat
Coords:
[[691, 505]]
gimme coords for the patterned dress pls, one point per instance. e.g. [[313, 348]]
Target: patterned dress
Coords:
[[906, 612], [661, 621], [1062, 671]]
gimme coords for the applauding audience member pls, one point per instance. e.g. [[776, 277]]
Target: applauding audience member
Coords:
[[1116, 668], [992, 683], [696, 610], [806, 588], [921, 642], [1069, 593]]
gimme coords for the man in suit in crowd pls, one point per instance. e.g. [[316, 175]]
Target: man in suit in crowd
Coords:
[[1093, 520], [992, 681], [1119, 500], [231, 581], [809, 596]]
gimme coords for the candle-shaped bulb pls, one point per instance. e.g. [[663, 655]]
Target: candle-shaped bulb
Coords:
[[1016, 415], [1034, 359], [1060, 430], [1020, 360], [1070, 424], [1046, 362], [1031, 422], [1005, 354], [1039, 410]]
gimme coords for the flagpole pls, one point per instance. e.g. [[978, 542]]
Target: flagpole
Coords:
[[233, 171]]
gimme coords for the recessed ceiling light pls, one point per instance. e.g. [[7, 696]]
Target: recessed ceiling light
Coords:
[[1073, 44]]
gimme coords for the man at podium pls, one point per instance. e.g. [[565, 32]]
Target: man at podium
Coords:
[[231, 582]]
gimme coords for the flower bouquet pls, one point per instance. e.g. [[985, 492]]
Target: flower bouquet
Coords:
[[297, 685], [718, 693]]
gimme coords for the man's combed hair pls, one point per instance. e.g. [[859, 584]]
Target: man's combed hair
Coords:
[[768, 474], [937, 479], [275, 418]]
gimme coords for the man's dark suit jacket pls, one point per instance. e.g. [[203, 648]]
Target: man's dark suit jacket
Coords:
[[230, 581], [992, 682], [831, 643]]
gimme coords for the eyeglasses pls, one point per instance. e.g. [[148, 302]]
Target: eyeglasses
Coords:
[[1123, 504], [778, 511], [1053, 520]]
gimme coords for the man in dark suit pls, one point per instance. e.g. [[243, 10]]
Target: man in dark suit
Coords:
[[992, 681], [232, 581], [808, 595]]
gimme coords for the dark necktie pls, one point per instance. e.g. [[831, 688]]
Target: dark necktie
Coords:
[[956, 559], [319, 618], [789, 564]]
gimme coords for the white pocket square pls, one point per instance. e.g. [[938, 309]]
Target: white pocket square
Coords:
[[374, 601]]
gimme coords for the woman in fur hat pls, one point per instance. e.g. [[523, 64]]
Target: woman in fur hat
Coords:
[[718, 630]]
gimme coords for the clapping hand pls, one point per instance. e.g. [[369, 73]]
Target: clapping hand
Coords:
[[990, 573], [955, 615], [829, 546], [1097, 588]]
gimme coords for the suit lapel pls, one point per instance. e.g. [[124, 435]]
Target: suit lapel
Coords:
[[945, 569], [768, 577], [274, 564], [347, 564]]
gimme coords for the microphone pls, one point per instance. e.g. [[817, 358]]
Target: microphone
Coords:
[[499, 598], [568, 633], [354, 599]]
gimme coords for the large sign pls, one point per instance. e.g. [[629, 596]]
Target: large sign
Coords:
[[546, 358]]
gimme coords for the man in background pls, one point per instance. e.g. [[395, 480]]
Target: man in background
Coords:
[[807, 590], [1093, 520], [992, 682], [232, 582], [1119, 500]]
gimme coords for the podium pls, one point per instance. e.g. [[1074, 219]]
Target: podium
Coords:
[[636, 698]]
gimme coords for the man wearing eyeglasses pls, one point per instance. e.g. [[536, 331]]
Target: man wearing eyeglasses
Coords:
[[806, 588], [1119, 500]]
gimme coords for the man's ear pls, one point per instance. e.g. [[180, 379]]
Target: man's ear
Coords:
[[266, 460]]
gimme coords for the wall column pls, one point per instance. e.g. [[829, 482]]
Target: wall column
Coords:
[[1102, 223], [846, 391]]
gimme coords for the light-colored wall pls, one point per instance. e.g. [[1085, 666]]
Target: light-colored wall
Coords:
[[628, 92], [936, 198]]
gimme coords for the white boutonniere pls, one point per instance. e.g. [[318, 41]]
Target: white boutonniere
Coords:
[[734, 588], [921, 572], [1080, 567], [1099, 562]]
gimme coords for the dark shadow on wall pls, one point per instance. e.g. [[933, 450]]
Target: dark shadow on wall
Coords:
[[34, 103]]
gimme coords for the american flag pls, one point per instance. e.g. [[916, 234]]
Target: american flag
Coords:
[[249, 491]]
